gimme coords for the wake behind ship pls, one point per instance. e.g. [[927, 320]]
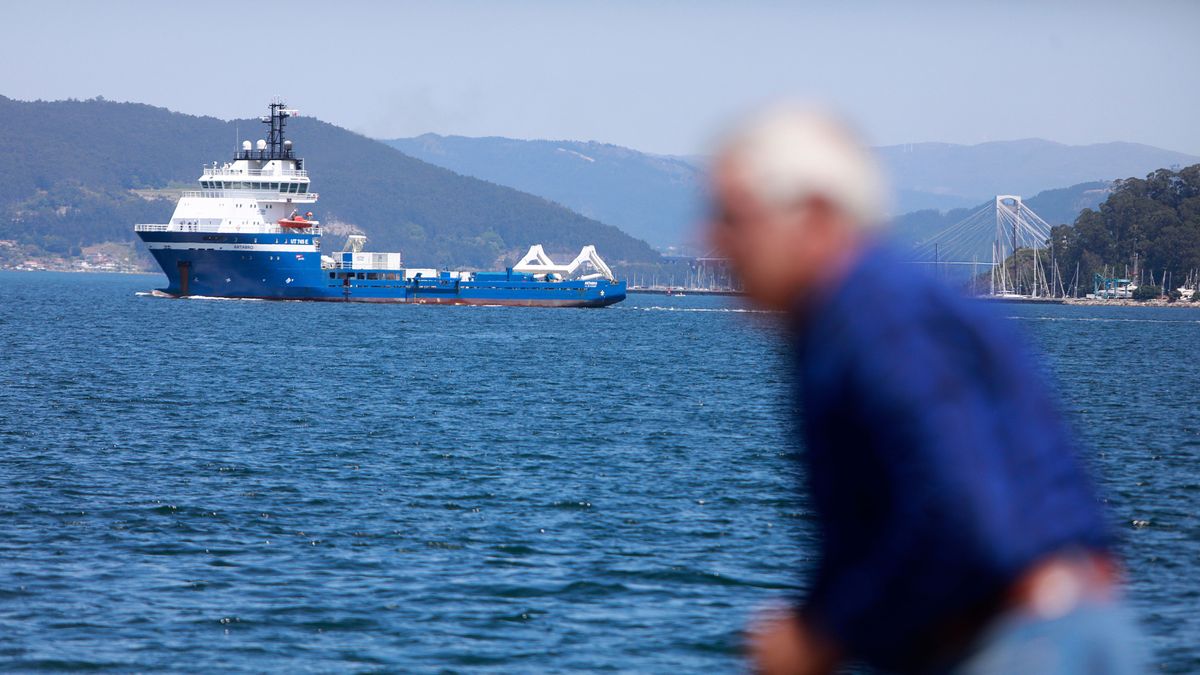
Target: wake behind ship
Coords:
[[248, 233]]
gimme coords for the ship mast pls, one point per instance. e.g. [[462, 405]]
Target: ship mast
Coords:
[[276, 121], [277, 148]]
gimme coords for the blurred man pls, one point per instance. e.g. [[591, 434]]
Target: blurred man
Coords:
[[958, 531]]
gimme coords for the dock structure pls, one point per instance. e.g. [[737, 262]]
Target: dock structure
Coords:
[[679, 290], [1110, 288], [708, 274]]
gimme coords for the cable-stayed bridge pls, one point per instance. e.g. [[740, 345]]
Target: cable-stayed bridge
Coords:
[[987, 239]]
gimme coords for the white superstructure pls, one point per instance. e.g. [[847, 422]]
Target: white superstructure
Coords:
[[264, 190]]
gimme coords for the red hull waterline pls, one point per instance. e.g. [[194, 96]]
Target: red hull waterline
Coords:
[[464, 302]]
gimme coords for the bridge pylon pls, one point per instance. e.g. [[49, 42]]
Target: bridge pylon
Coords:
[[990, 236]]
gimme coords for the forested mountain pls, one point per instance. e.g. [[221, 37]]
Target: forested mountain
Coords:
[[68, 171], [1148, 226]]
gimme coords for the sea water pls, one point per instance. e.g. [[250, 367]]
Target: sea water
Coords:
[[248, 486]]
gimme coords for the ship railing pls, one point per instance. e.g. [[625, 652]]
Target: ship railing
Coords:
[[259, 228], [266, 195], [294, 173]]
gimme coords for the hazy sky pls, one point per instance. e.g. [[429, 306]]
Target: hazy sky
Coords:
[[657, 76]]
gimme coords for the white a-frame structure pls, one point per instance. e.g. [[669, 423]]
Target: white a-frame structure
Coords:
[[537, 262]]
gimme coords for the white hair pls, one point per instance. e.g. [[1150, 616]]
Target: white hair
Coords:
[[790, 153]]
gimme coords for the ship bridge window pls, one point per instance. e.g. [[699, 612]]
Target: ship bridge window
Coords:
[[303, 188], [283, 187], [293, 187], [274, 186]]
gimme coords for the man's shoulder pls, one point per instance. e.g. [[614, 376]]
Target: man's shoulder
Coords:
[[886, 306], [883, 288]]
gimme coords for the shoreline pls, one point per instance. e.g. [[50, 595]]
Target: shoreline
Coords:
[[1128, 302], [78, 271], [680, 291], [1090, 302]]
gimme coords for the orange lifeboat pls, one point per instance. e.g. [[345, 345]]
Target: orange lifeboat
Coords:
[[297, 221]]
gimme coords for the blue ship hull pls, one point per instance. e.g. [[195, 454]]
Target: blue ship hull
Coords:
[[284, 267]]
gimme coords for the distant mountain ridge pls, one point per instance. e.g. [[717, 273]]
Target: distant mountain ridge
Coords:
[[662, 198], [77, 173], [939, 173], [68, 171], [652, 197]]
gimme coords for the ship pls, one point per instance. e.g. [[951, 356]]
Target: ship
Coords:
[[250, 232]]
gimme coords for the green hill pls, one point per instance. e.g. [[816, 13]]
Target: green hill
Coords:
[[1148, 227], [76, 173]]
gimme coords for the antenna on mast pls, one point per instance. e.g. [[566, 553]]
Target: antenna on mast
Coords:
[[276, 121], [274, 147]]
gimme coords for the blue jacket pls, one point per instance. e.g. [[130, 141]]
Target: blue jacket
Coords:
[[937, 463]]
